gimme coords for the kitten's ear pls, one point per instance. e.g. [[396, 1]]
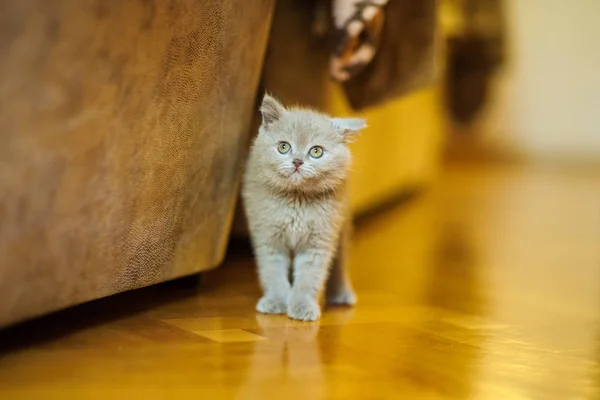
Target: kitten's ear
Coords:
[[271, 110], [349, 127]]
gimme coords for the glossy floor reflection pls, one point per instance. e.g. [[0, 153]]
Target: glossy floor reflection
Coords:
[[485, 287]]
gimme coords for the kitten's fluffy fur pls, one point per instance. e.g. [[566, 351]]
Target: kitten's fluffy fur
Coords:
[[297, 217]]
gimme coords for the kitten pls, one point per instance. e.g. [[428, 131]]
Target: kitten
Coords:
[[295, 198]]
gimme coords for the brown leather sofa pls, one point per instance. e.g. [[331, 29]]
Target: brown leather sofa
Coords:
[[121, 129]]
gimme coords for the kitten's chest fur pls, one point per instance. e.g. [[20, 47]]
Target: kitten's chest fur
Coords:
[[295, 221], [305, 221]]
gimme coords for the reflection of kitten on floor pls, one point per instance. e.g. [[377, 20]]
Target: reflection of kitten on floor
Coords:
[[295, 198]]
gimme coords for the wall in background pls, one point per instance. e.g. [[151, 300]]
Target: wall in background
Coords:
[[547, 100]]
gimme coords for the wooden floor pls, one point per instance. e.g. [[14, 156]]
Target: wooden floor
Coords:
[[485, 287]]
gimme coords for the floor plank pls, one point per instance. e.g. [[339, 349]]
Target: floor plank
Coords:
[[485, 287]]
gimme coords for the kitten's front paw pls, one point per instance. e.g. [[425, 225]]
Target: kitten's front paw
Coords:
[[303, 308], [344, 297], [272, 305]]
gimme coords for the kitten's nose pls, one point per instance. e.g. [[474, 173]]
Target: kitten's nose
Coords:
[[298, 162]]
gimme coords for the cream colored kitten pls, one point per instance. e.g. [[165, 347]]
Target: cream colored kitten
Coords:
[[295, 198]]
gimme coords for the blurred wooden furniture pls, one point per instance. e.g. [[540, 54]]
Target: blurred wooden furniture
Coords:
[[399, 152]]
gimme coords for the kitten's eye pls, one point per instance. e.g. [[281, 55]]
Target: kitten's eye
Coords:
[[316, 152], [284, 147]]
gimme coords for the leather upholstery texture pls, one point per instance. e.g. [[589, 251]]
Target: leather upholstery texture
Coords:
[[122, 126]]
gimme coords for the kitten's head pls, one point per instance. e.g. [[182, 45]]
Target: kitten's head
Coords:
[[301, 150]]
